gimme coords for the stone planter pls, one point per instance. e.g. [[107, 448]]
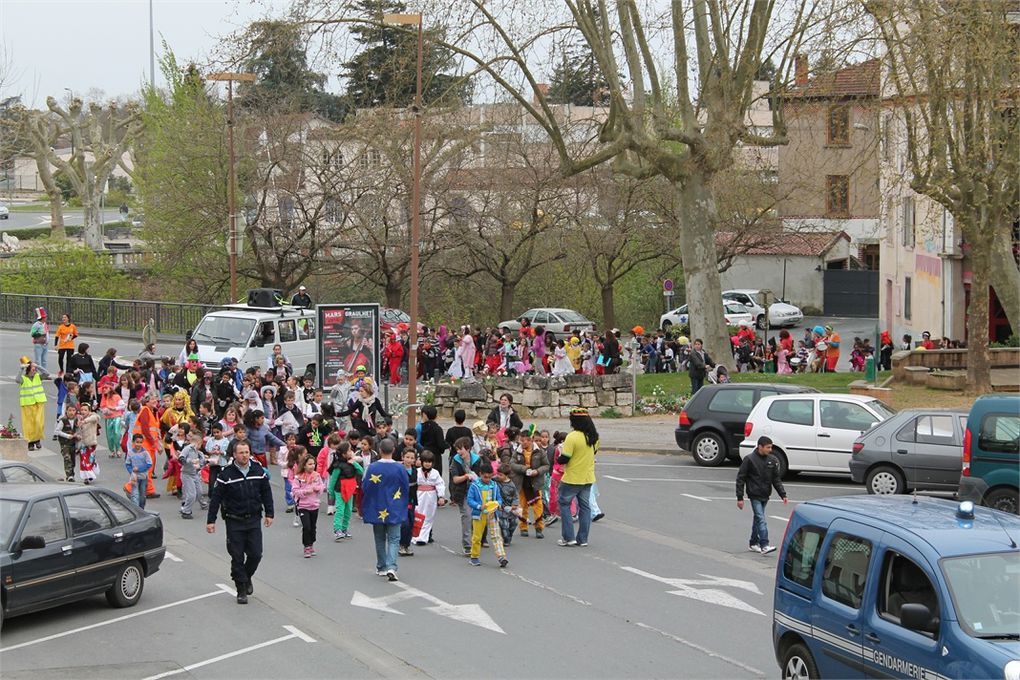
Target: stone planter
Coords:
[[955, 381], [14, 449]]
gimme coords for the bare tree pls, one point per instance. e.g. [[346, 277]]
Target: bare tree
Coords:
[[953, 68], [41, 130]]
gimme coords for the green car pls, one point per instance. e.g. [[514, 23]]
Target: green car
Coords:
[[991, 453]]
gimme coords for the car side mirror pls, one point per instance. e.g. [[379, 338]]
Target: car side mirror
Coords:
[[915, 616], [31, 543], [258, 341]]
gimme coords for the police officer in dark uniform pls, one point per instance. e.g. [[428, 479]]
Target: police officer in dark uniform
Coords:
[[242, 490]]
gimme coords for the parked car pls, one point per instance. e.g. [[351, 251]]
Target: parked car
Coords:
[[734, 313], [711, 425], [813, 432], [5, 212], [63, 542], [552, 319], [897, 587], [16, 472], [781, 312], [916, 449], [991, 453]]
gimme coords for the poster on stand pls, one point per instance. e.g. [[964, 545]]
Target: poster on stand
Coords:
[[348, 338]]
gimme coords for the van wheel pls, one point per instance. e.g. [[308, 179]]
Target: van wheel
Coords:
[[127, 588], [798, 664], [709, 449], [885, 481], [1006, 500]]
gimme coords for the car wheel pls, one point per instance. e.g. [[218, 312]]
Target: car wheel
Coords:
[[709, 449], [1006, 500], [884, 481], [127, 588], [760, 322], [666, 325], [798, 664], [784, 464]]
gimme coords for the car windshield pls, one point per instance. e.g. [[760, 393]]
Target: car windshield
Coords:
[[10, 511], [885, 411], [735, 308], [231, 331], [571, 316], [986, 592]]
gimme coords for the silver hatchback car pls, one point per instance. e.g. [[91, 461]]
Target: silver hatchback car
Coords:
[[920, 449]]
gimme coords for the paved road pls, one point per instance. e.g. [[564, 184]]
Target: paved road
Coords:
[[666, 588], [27, 220]]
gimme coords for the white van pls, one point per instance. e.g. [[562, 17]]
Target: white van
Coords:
[[248, 333]]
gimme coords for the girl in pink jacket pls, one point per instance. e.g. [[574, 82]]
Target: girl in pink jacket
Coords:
[[307, 488]]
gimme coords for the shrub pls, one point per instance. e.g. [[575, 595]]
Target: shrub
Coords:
[[66, 268]]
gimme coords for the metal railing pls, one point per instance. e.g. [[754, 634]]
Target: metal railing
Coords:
[[172, 318]]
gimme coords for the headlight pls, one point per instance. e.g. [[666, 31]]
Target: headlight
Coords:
[[1012, 670]]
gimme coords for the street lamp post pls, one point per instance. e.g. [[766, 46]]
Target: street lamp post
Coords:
[[416, 110], [231, 179]]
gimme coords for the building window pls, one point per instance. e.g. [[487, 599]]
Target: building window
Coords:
[[906, 297], [837, 189], [909, 224], [839, 125]]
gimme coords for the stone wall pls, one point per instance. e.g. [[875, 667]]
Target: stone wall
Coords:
[[537, 396], [950, 360]]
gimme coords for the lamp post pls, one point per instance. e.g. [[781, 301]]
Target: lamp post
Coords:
[[231, 179], [416, 110]]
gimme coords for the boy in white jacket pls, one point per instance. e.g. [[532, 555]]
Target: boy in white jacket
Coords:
[[431, 490]]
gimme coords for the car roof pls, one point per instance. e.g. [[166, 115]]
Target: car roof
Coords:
[[26, 492], [933, 520], [780, 387], [858, 398], [742, 290]]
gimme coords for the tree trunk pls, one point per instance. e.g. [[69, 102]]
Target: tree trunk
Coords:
[[506, 300], [698, 256], [1005, 276], [393, 294], [57, 230], [608, 308], [979, 379], [93, 229]]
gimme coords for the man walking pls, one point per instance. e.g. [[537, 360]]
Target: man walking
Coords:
[[244, 492], [697, 365], [759, 472], [385, 491]]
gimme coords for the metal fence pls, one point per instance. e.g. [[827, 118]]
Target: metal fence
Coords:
[[172, 318]]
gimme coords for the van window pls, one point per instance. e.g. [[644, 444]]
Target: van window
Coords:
[[802, 555], [796, 411], [305, 329], [846, 570], [903, 582], [288, 332], [732, 401], [1000, 433]]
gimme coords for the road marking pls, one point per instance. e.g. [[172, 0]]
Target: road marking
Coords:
[[619, 479], [697, 498], [850, 488], [704, 650], [471, 614], [174, 558], [781, 519], [116, 620], [294, 634], [685, 588]]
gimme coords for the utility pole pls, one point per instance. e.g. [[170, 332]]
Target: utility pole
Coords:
[[152, 51], [231, 179]]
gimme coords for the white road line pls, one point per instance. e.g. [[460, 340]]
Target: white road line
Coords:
[[655, 465], [294, 634], [704, 650], [116, 620], [849, 488], [173, 558], [781, 519], [619, 479], [697, 498]]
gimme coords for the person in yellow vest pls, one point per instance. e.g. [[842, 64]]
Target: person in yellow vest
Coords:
[[33, 401]]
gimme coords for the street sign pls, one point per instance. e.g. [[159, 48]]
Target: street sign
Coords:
[[471, 614], [686, 588], [667, 286]]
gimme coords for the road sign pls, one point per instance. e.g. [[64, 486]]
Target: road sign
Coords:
[[686, 588], [465, 613], [667, 286]]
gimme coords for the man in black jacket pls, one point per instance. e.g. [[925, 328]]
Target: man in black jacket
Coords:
[[697, 364], [432, 437], [759, 472], [242, 489]]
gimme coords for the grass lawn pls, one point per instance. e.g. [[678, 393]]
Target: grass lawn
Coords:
[[29, 208], [900, 397]]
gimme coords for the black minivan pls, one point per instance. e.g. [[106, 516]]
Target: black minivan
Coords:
[[711, 426]]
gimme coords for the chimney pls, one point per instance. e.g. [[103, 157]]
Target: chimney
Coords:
[[800, 74], [542, 91]]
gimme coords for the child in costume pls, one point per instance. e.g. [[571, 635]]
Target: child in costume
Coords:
[[409, 457], [484, 500], [88, 437], [510, 512], [191, 460], [307, 489], [431, 492], [111, 406], [562, 364], [345, 474]]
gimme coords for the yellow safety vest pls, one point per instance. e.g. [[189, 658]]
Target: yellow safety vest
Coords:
[[32, 390]]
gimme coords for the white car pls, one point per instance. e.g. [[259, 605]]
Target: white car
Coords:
[[813, 432], [552, 319], [733, 312], [781, 313], [5, 212]]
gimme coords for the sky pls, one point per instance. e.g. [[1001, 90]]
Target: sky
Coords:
[[50, 45]]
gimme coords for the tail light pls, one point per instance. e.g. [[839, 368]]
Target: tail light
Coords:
[[685, 420], [965, 471], [858, 446], [748, 426]]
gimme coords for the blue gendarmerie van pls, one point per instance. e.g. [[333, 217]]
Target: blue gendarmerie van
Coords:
[[898, 587]]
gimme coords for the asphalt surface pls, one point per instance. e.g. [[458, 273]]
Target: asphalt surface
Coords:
[[666, 588], [28, 220]]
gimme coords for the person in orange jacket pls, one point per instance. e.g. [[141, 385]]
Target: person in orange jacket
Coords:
[[147, 425]]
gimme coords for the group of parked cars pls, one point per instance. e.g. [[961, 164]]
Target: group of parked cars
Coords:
[[739, 306], [975, 453]]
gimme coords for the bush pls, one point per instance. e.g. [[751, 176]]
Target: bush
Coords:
[[1011, 341], [66, 268]]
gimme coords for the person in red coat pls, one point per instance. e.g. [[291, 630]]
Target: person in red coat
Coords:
[[393, 354]]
